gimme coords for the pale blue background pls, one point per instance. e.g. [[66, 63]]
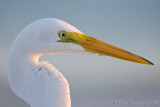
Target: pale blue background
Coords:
[[95, 82]]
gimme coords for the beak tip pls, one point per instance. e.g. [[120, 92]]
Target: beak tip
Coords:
[[150, 63]]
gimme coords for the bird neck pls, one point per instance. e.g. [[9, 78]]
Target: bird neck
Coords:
[[21, 60], [37, 88]]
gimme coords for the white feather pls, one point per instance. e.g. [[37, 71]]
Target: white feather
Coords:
[[40, 84]]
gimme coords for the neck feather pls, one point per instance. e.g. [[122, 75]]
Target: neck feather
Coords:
[[36, 87]]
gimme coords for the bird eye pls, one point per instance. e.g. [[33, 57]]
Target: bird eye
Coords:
[[62, 34]]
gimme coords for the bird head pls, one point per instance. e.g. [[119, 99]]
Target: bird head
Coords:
[[52, 36]]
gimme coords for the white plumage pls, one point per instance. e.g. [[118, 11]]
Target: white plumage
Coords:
[[40, 84]]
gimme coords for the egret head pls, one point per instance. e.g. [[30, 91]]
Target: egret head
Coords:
[[52, 36]]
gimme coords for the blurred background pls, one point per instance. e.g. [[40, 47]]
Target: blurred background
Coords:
[[94, 81]]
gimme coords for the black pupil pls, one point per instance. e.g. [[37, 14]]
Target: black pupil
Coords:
[[63, 35]]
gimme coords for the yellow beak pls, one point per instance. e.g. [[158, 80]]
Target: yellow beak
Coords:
[[93, 45]]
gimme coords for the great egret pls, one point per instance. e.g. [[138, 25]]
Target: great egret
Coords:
[[40, 84]]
